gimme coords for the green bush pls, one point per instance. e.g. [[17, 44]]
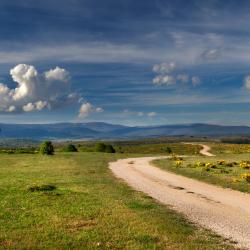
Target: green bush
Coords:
[[47, 148], [70, 148], [102, 147], [109, 149], [168, 150]]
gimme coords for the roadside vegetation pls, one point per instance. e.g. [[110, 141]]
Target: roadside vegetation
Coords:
[[142, 147], [72, 201], [226, 170]]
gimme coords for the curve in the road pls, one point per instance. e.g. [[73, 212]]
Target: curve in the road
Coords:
[[226, 212], [205, 150]]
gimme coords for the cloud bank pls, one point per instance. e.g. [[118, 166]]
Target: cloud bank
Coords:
[[170, 73]]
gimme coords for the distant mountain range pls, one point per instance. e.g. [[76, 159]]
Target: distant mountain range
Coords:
[[100, 130]]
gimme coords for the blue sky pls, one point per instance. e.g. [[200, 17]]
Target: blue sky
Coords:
[[129, 62]]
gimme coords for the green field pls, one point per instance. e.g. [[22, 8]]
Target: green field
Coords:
[[85, 207], [146, 147]]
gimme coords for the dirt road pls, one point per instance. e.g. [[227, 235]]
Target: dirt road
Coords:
[[205, 150], [224, 211]]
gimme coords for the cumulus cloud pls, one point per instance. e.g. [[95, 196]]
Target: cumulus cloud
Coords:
[[165, 68], [36, 91], [87, 108], [170, 74], [164, 80]]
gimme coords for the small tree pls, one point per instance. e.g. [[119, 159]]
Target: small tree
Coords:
[[70, 148], [169, 150], [109, 149], [47, 148], [100, 147]]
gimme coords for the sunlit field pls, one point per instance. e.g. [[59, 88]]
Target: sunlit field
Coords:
[[229, 168], [72, 201]]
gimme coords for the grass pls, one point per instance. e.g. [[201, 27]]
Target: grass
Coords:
[[72, 201], [227, 175], [227, 148], [140, 147]]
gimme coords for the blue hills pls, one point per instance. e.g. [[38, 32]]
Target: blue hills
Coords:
[[101, 130]]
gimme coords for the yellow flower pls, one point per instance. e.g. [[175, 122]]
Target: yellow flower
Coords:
[[246, 177], [178, 163], [221, 162], [245, 164]]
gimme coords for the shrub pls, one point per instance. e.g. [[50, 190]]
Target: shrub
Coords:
[[246, 177], [100, 147], [70, 148], [199, 164], [47, 148], [221, 162], [168, 150], [230, 164], [245, 164], [42, 188], [109, 149], [178, 163]]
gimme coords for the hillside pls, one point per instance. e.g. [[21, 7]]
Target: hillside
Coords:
[[100, 130]]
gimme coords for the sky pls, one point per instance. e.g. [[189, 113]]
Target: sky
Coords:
[[144, 62]]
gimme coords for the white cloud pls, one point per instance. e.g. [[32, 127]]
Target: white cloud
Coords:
[[165, 68], [211, 54], [170, 73], [196, 80], [35, 91], [151, 114], [11, 109], [34, 106], [247, 82], [164, 80], [140, 114], [29, 107], [87, 108], [99, 110]]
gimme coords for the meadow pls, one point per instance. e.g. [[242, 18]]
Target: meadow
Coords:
[[72, 201], [230, 168]]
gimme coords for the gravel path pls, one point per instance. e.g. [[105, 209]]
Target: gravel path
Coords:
[[224, 211]]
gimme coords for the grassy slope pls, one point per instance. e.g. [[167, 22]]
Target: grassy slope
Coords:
[[90, 209], [228, 177], [143, 147]]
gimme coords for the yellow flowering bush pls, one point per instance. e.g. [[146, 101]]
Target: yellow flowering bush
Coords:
[[221, 162], [175, 157], [245, 164], [178, 163], [199, 164], [246, 177], [208, 165]]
